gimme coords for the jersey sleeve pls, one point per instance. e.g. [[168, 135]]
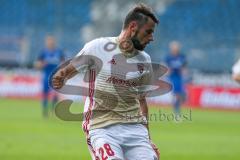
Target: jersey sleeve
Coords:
[[85, 57], [89, 48], [149, 70]]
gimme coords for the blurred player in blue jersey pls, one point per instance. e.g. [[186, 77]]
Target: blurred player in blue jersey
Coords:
[[176, 62], [49, 58]]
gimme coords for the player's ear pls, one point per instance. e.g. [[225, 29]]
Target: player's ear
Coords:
[[133, 26]]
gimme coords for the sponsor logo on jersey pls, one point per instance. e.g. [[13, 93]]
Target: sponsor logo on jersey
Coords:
[[116, 80]]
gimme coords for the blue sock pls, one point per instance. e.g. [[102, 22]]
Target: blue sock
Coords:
[[177, 106], [45, 106]]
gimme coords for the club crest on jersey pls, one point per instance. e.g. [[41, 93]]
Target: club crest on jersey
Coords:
[[112, 61]]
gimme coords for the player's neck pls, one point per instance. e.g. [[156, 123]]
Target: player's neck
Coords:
[[125, 42]]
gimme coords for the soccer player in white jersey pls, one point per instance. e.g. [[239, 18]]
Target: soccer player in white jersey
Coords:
[[115, 119], [236, 71]]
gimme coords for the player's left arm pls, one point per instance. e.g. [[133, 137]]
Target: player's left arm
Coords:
[[144, 109], [146, 80]]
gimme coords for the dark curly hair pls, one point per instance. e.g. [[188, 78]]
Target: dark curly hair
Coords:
[[139, 13]]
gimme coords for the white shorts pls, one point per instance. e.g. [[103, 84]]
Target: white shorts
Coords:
[[121, 142]]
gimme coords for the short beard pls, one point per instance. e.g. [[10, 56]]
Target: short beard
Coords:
[[136, 43]]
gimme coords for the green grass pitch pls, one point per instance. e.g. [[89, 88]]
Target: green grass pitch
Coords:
[[24, 135]]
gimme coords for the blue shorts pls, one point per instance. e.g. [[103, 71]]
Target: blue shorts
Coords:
[[178, 85]]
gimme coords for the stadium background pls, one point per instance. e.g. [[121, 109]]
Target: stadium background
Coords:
[[210, 36]]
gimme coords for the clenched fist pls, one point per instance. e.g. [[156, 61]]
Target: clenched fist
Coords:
[[62, 75], [58, 79]]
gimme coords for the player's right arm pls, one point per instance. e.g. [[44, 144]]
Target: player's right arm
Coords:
[[69, 70], [62, 75], [74, 66]]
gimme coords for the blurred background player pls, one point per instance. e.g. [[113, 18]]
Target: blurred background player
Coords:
[[236, 71], [176, 62], [49, 58]]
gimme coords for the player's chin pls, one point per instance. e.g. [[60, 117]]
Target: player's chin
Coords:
[[142, 47]]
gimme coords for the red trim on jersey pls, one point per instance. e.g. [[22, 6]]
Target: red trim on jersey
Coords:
[[89, 111], [91, 93]]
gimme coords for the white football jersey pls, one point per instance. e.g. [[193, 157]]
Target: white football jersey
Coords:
[[113, 78]]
